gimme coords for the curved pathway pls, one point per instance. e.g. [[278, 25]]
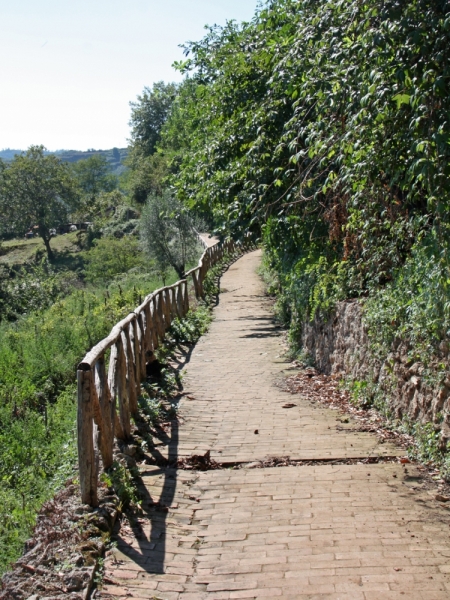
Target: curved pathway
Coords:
[[347, 531]]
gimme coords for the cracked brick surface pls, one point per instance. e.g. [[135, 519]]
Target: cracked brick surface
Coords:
[[352, 531]]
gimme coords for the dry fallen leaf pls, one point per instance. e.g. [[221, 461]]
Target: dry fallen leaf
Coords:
[[441, 498]]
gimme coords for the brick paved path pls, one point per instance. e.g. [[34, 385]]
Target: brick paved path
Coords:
[[304, 532]]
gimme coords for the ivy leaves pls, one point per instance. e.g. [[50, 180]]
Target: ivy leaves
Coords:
[[325, 126]]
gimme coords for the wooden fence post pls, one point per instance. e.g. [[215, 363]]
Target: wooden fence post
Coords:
[[168, 308], [86, 450], [173, 293], [185, 298], [179, 300], [130, 364], [196, 284], [201, 277], [143, 345], [106, 440], [136, 356], [149, 328], [160, 316], [122, 392], [113, 384]]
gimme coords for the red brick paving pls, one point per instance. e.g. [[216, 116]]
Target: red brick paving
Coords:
[[307, 532]]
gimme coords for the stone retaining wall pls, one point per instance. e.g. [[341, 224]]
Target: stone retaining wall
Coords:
[[340, 346]]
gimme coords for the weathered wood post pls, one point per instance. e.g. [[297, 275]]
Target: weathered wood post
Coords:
[[107, 396], [113, 384], [148, 328], [168, 307], [106, 439], [130, 371], [185, 298], [200, 280], [197, 288], [86, 451], [122, 392], [143, 346], [174, 302], [160, 315], [179, 300], [136, 357]]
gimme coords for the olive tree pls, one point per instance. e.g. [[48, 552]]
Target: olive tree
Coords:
[[168, 234], [37, 190]]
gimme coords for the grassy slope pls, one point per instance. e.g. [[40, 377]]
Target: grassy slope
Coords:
[[38, 357], [19, 251]]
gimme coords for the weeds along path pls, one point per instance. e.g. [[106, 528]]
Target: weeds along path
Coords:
[[360, 531]]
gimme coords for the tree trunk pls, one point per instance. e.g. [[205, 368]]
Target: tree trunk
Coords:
[[50, 254], [179, 270]]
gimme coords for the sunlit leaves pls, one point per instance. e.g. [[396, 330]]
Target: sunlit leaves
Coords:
[[334, 113]]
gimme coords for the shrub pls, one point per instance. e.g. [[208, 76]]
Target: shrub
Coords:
[[111, 256]]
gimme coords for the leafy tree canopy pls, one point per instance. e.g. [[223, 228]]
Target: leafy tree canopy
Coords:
[[149, 167], [332, 113], [37, 190], [94, 176], [324, 126], [168, 234], [110, 257], [148, 115]]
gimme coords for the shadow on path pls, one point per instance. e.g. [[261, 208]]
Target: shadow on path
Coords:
[[150, 530], [152, 542], [151, 538]]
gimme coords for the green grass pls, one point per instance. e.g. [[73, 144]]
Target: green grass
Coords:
[[39, 353], [38, 357], [20, 251]]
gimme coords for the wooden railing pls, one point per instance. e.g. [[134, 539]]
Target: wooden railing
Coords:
[[109, 388]]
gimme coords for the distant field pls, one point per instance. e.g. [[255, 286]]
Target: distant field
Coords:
[[20, 251]]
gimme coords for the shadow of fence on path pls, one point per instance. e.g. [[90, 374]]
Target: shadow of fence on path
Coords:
[[151, 551]]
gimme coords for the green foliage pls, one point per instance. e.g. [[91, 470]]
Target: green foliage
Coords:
[[111, 256], [325, 127], [367, 394], [269, 276], [427, 447], [38, 454], [148, 116], [415, 305], [112, 217], [189, 329], [123, 222], [38, 357], [36, 189], [147, 177], [167, 233], [154, 162], [32, 289], [151, 407], [93, 176], [121, 480]]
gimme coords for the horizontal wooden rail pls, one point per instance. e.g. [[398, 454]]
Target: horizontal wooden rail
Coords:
[[109, 387]]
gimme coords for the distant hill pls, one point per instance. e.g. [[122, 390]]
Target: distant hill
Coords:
[[8, 154], [115, 156]]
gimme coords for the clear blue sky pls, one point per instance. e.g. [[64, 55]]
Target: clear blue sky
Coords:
[[69, 68]]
